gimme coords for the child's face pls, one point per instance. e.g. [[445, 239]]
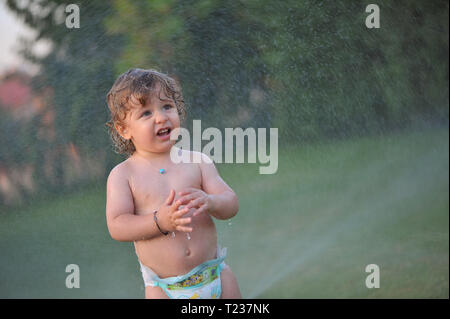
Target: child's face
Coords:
[[149, 126]]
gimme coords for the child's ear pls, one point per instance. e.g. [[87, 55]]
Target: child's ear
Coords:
[[122, 130]]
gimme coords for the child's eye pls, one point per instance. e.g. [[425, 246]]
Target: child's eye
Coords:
[[146, 113], [168, 107]]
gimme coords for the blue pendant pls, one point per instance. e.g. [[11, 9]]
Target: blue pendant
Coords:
[[162, 171]]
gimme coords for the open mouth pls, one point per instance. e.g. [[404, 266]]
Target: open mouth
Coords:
[[163, 131]]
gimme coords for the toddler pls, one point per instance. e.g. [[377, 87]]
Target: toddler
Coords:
[[166, 209]]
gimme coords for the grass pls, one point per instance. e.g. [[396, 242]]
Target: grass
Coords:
[[307, 231]]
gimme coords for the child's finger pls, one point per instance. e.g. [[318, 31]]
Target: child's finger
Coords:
[[187, 198], [184, 229], [177, 214], [202, 209], [183, 221], [187, 191], [195, 203], [176, 205], [169, 199]]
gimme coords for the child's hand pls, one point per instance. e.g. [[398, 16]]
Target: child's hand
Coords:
[[196, 199], [170, 218]]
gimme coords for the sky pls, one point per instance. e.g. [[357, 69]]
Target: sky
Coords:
[[11, 28]]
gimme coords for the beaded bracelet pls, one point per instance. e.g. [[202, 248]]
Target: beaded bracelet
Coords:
[[165, 233]]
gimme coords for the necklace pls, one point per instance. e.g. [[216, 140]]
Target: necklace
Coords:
[[162, 171]]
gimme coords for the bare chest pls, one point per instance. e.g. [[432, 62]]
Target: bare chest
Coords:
[[150, 188]]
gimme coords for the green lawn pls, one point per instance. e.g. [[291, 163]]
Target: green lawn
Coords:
[[306, 232]]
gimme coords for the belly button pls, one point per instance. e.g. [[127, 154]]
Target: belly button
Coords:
[[188, 252]]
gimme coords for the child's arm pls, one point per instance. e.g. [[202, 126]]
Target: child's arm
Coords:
[[216, 198], [124, 225]]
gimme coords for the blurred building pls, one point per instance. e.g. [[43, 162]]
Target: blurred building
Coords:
[[18, 99], [23, 103]]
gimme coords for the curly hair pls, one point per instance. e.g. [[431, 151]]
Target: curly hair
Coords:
[[140, 84]]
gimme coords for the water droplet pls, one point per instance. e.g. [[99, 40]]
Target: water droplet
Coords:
[[188, 236], [173, 234], [229, 223]]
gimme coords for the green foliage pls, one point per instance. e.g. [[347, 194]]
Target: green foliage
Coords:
[[322, 72], [311, 68], [80, 70]]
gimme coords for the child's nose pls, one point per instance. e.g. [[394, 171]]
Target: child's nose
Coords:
[[160, 117]]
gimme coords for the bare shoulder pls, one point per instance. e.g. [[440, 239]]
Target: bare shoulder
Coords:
[[212, 182], [120, 171], [119, 198], [195, 157], [205, 163], [199, 159], [206, 167], [121, 176]]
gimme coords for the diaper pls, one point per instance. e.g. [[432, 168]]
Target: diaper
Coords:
[[201, 282]]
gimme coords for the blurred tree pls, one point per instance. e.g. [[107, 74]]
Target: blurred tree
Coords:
[[311, 68], [208, 45], [335, 77], [80, 70]]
